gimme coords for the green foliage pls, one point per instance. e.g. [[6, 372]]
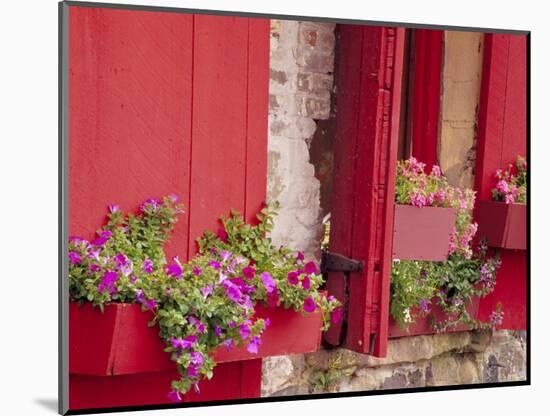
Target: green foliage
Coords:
[[417, 285], [201, 305]]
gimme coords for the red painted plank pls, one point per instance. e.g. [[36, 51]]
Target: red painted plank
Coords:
[[130, 115], [349, 86], [88, 392], [390, 162], [426, 94], [502, 136], [258, 97], [220, 94], [369, 90]]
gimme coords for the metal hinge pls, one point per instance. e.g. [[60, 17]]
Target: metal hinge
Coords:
[[333, 262]]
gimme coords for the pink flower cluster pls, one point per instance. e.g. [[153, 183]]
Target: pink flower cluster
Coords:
[[511, 186]]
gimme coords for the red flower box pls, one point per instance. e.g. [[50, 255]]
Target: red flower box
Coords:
[[422, 233], [119, 341], [423, 324], [503, 225]]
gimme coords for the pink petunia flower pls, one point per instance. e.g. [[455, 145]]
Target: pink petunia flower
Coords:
[[309, 304]]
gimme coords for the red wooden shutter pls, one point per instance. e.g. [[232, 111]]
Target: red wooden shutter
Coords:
[[502, 135], [365, 152], [428, 52], [163, 103]]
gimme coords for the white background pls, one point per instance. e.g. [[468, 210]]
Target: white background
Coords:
[[28, 205]]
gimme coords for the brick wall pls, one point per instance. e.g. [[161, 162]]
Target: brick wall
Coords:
[[301, 81]]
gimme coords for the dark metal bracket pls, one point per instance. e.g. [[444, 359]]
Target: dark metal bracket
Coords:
[[333, 262]]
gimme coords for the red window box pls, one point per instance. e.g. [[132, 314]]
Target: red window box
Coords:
[[503, 225], [423, 324], [119, 341], [422, 233]]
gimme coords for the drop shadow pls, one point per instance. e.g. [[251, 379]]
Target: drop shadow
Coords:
[[48, 404]]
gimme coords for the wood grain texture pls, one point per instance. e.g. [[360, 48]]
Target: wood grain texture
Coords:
[[130, 121], [502, 128], [426, 94], [164, 103], [365, 157]]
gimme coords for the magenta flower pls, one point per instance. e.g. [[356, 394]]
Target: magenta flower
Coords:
[[127, 268], [509, 199], [424, 305], [309, 304], [222, 235], [196, 358], [436, 171], [174, 396], [253, 345], [502, 186], [218, 331], [113, 208], [197, 271], [268, 282], [140, 297], [232, 291], [336, 316], [417, 199], [273, 299], [248, 272], [150, 204], [207, 290], [189, 341], [306, 283], [244, 331], [74, 257], [215, 264], [94, 254], [94, 267], [310, 268], [225, 255], [174, 270], [192, 371], [300, 256], [293, 278], [229, 344], [267, 322], [148, 265], [107, 283], [150, 304], [231, 324], [197, 323]]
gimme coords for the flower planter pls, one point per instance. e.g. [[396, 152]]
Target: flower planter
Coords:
[[422, 233], [423, 324], [119, 342], [503, 225]]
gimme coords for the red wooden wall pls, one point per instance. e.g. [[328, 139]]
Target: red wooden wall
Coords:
[[502, 135], [163, 103], [428, 54], [365, 153]]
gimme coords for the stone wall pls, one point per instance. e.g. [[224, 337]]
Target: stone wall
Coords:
[[302, 62], [430, 360], [459, 105]]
